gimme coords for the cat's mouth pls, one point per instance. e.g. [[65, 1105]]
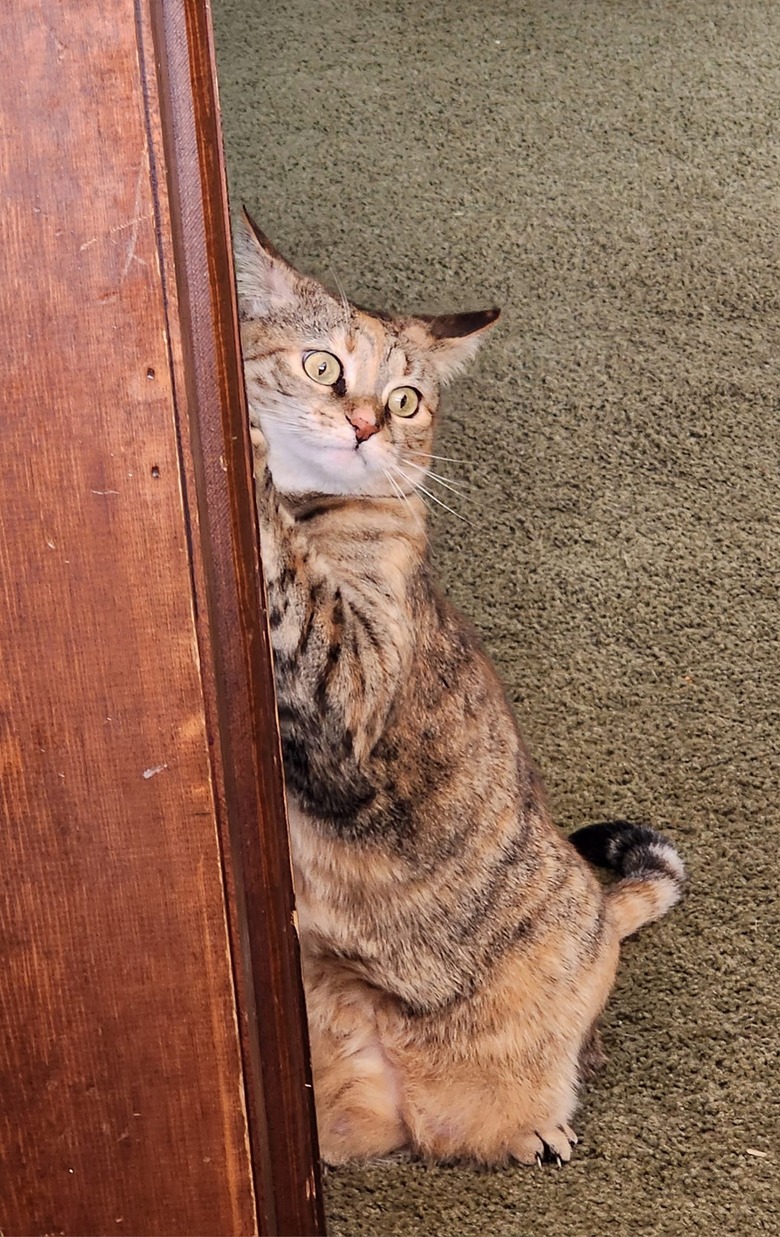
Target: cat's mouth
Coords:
[[346, 450], [301, 458]]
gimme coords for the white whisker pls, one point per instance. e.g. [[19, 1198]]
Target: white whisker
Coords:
[[271, 415], [295, 431], [448, 459], [277, 420], [399, 492], [344, 302], [405, 497], [445, 481], [422, 489], [288, 422]]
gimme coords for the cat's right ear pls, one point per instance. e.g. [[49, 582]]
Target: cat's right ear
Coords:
[[265, 280]]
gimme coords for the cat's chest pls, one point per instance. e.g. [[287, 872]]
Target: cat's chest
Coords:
[[369, 560], [337, 883]]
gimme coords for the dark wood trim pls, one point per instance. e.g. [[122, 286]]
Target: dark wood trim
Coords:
[[233, 632], [122, 1071]]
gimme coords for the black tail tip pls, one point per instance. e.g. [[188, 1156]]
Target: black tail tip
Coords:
[[606, 844]]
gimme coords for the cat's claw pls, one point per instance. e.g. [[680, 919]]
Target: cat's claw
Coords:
[[551, 1143]]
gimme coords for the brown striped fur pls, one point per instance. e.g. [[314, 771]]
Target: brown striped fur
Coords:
[[457, 948]]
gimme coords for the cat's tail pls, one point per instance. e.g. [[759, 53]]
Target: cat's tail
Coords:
[[651, 872]]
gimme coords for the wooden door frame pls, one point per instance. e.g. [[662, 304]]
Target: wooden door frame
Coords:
[[233, 627]]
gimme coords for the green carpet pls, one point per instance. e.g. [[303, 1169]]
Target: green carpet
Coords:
[[608, 171]]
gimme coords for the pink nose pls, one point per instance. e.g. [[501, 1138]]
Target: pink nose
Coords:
[[363, 423]]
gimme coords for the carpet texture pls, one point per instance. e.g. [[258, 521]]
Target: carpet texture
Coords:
[[608, 172]]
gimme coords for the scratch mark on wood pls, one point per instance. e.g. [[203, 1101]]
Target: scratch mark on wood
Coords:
[[120, 227], [136, 220], [147, 773]]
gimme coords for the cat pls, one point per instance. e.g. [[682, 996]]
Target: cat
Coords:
[[457, 949]]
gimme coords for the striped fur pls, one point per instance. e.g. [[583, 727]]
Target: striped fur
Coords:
[[457, 949]]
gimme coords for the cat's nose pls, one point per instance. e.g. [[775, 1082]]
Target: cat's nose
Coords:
[[364, 422]]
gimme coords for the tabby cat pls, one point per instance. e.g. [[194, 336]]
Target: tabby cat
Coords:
[[457, 948]]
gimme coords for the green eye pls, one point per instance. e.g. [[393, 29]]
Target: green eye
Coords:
[[322, 367], [403, 402]]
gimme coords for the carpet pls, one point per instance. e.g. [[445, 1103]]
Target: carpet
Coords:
[[608, 172]]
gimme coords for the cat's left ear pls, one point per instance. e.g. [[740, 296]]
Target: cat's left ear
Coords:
[[265, 280], [452, 339]]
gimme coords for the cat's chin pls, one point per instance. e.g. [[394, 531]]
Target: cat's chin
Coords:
[[336, 470]]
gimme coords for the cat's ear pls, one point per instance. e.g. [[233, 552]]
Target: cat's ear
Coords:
[[452, 339], [265, 280]]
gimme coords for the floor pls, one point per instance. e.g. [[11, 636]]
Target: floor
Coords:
[[608, 172]]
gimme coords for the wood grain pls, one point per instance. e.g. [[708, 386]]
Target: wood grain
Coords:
[[135, 886], [248, 756]]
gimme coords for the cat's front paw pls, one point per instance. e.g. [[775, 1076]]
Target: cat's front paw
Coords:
[[551, 1143], [259, 448], [264, 486]]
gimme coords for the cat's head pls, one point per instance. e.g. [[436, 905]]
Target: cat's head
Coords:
[[346, 398]]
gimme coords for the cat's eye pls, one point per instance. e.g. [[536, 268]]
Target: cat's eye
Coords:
[[403, 402], [322, 367]]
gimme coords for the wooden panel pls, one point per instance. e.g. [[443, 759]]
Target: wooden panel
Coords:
[[120, 1066], [242, 704]]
